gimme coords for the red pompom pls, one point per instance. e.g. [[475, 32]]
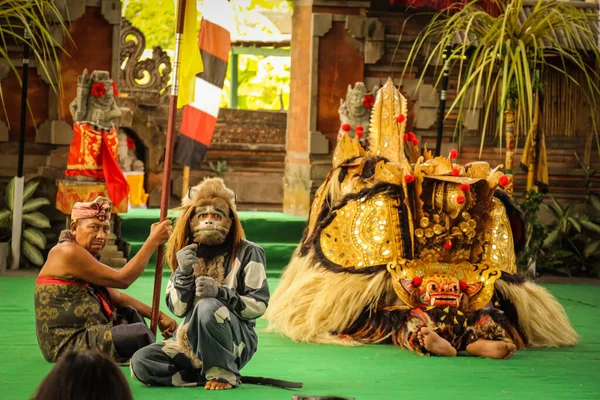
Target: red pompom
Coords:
[[411, 136], [455, 172], [346, 127], [368, 101], [504, 180], [115, 90], [401, 118], [453, 153], [461, 199], [359, 129], [359, 133], [410, 178], [415, 142], [130, 143], [448, 245], [406, 137], [463, 285], [465, 187], [417, 280], [98, 89]]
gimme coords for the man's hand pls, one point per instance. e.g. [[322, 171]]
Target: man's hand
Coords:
[[186, 259], [206, 287], [160, 232], [167, 325]]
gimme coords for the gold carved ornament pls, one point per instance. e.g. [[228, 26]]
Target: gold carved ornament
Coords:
[[364, 233]]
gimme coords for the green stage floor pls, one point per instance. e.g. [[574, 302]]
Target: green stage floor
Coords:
[[367, 372]]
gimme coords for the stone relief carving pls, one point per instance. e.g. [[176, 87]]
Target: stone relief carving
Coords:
[[145, 80]]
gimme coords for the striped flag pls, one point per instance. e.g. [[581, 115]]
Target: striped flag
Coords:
[[200, 116]]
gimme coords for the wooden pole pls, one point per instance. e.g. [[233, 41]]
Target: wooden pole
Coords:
[[17, 221], [166, 192], [442, 104], [185, 181], [531, 168], [509, 129]]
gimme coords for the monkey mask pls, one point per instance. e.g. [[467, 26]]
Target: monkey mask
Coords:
[[208, 217]]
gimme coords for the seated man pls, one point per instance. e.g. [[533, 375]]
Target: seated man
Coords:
[[219, 285], [77, 305]]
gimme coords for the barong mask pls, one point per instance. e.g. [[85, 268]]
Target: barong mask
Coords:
[[439, 290]]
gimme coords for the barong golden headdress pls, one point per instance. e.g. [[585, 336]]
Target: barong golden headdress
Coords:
[[389, 206], [99, 208]]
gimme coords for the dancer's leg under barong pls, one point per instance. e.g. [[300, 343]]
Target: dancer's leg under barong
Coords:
[[215, 345]]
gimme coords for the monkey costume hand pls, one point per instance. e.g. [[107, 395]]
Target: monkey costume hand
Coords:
[[206, 287], [186, 259]]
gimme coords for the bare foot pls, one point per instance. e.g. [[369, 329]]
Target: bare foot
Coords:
[[435, 343], [492, 349], [216, 385]]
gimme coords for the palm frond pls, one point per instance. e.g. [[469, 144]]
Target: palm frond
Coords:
[[502, 56]]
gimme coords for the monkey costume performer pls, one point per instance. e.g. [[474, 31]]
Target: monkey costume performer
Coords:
[[219, 285]]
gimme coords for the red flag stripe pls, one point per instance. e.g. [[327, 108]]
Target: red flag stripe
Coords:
[[214, 40], [198, 125]]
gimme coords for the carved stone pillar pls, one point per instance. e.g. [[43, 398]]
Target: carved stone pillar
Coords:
[[326, 58]]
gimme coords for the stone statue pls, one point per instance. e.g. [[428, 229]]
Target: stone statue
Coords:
[[128, 160], [355, 110], [95, 101]]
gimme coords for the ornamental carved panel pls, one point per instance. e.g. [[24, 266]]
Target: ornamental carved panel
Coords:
[[146, 79]]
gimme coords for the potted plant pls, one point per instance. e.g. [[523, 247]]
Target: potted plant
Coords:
[[33, 239]]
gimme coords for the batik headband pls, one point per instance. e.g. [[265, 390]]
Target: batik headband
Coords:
[[99, 208]]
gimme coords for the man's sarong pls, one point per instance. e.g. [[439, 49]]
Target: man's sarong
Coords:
[[76, 315]]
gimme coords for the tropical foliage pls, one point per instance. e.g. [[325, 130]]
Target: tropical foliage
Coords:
[[536, 231], [500, 56], [36, 17], [219, 168], [33, 240], [571, 244]]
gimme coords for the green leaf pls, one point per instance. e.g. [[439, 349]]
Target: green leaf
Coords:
[[552, 237], [575, 223], [595, 202], [35, 236], [4, 214], [34, 204], [32, 253], [592, 248], [30, 188], [9, 196], [36, 219], [590, 226]]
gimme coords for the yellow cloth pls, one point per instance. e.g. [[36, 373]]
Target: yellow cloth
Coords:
[[191, 60], [137, 195]]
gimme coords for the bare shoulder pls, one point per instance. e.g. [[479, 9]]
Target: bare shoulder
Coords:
[[65, 252]]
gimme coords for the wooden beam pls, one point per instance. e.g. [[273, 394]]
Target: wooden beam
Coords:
[[261, 51]]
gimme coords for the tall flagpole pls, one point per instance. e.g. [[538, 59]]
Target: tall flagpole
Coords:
[[17, 222], [166, 192]]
